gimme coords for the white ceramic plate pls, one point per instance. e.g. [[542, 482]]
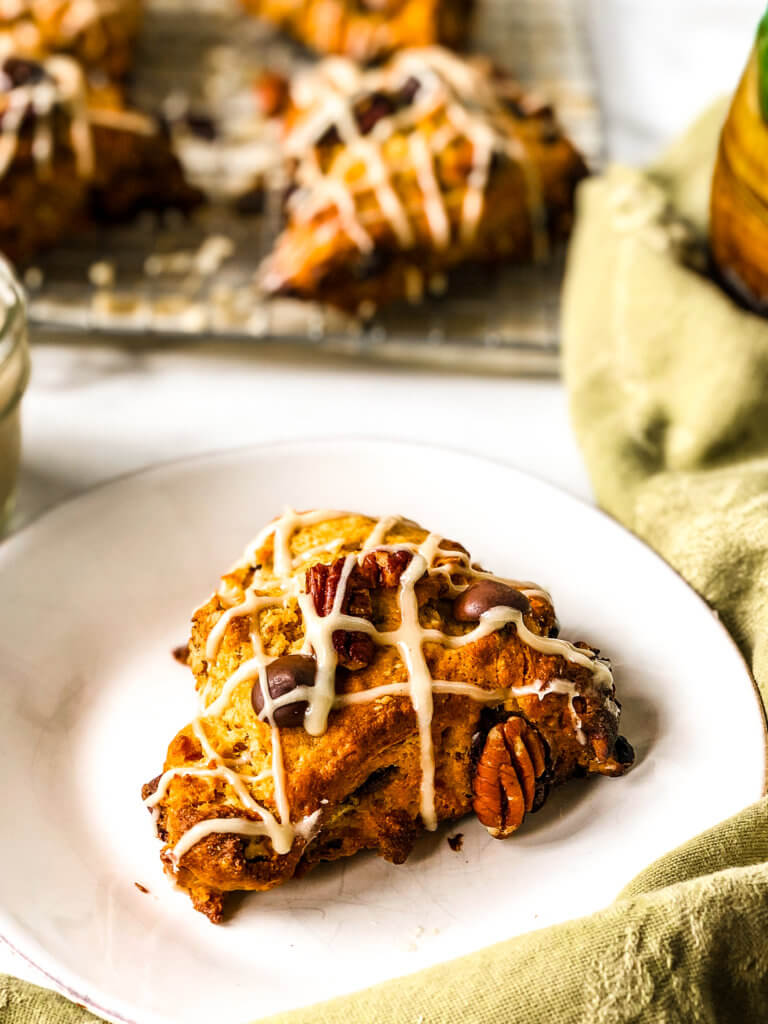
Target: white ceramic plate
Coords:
[[94, 596]]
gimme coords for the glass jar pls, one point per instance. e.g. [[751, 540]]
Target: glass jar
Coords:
[[14, 374]]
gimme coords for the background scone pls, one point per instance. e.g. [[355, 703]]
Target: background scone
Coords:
[[99, 33], [360, 681], [368, 29], [404, 172], [70, 154]]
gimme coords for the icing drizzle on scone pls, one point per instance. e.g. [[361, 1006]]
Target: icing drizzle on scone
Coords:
[[282, 583], [36, 94], [74, 15], [432, 100]]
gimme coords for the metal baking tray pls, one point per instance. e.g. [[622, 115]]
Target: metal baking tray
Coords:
[[184, 279]]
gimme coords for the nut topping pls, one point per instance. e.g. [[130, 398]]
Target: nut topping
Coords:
[[481, 597], [510, 776], [384, 568], [283, 675]]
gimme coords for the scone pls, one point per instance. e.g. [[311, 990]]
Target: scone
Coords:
[[404, 172], [99, 33], [368, 30], [360, 681], [70, 154]]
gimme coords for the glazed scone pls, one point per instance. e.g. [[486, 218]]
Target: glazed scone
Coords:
[[99, 33], [403, 172], [360, 681], [366, 30], [70, 154]]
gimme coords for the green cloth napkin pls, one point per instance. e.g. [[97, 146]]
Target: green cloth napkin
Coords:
[[669, 389]]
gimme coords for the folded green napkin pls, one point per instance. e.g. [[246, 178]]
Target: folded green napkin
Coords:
[[669, 389]]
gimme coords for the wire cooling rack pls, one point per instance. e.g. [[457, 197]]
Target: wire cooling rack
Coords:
[[195, 278]]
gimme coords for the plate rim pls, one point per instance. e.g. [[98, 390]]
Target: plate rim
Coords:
[[41, 960]]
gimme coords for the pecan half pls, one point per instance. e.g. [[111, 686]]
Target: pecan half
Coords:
[[511, 775], [355, 649], [322, 584], [384, 568]]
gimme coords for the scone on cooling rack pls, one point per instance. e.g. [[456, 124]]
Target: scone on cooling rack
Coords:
[[360, 681], [404, 172], [70, 155], [99, 33], [367, 30]]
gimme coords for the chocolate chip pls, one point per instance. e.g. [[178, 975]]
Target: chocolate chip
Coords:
[[283, 675], [330, 137], [480, 597], [406, 94], [201, 125], [17, 72], [623, 750], [372, 109]]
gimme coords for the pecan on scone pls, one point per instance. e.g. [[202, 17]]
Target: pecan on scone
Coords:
[[98, 33], [360, 681], [70, 154], [404, 172], [367, 30]]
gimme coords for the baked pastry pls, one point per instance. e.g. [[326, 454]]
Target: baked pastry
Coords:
[[70, 154], [739, 207], [403, 172], [360, 681], [99, 33], [368, 30]]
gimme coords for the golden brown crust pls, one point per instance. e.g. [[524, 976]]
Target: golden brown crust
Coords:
[[527, 186], [362, 776], [100, 36], [364, 30]]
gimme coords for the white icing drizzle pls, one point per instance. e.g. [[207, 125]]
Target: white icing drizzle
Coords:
[[62, 87], [457, 99], [282, 529], [76, 15], [408, 638], [318, 637]]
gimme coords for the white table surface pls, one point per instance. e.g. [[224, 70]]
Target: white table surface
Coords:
[[94, 412]]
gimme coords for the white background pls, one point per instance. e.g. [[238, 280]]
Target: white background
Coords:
[[92, 412]]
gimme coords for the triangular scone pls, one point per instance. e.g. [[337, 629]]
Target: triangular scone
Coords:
[[70, 154], [403, 172], [361, 680], [99, 33], [368, 30]]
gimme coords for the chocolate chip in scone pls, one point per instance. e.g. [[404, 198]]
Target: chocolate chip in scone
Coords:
[[284, 675], [371, 109], [406, 94], [17, 72], [481, 597], [201, 125], [330, 137], [623, 750]]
